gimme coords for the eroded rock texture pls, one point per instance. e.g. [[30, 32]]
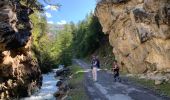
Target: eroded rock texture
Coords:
[[139, 31], [19, 72]]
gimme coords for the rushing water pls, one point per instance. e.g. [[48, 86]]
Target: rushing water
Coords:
[[47, 90]]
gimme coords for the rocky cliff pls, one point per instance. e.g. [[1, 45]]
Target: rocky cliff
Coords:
[[139, 31], [19, 72]]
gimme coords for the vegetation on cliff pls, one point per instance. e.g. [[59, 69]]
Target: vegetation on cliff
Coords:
[[41, 41], [88, 36]]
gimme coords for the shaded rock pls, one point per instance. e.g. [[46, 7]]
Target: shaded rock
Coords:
[[62, 72], [112, 1], [63, 90], [19, 71], [59, 83], [119, 1]]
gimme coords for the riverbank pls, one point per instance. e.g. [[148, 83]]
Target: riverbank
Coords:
[[72, 87], [76, 84], [162, 88]]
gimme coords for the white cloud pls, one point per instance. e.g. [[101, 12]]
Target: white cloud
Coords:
[[50, 22], [48, 15], [47, 7], [55, 8], [62, 22]]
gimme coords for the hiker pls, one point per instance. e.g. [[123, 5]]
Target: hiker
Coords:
[[116, 71], [95, 65]]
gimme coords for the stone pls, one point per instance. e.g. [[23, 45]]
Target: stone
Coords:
[[59, 83], [158, 82], [63, 90], [166, 79]]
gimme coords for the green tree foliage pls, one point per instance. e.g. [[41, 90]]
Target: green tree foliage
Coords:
[[41, 42], [78, 40], [62, 45], [33, 4], [50, 52], [87, 36]]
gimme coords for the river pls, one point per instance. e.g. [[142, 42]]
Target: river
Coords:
[[47, 90]]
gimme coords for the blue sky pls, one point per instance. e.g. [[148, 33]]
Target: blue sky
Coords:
[[71, 10]]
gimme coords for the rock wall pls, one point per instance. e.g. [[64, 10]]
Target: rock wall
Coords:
[[19, 72], [139, 31]]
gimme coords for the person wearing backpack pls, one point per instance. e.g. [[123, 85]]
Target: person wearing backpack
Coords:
[[95, 65]]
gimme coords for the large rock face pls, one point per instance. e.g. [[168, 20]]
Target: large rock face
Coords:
[[139, 31], [19, 72]]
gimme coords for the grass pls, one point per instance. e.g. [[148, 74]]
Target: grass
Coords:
[[161, 89], [77, 89]]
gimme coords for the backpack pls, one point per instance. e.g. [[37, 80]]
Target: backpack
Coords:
[[98, 63]]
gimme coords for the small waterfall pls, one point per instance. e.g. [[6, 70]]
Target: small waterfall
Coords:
[[47, 90]]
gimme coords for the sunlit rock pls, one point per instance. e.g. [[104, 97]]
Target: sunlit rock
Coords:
[[139, 31]]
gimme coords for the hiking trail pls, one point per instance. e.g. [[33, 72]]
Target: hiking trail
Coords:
[[106, 89]]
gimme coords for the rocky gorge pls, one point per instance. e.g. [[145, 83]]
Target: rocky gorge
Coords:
[[20, 74], [139, 33]]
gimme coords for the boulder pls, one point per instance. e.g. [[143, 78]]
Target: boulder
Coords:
[[63, 90], [59, 83], [158, 82]]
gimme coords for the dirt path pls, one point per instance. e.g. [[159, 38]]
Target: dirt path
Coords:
[[106, 89]]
